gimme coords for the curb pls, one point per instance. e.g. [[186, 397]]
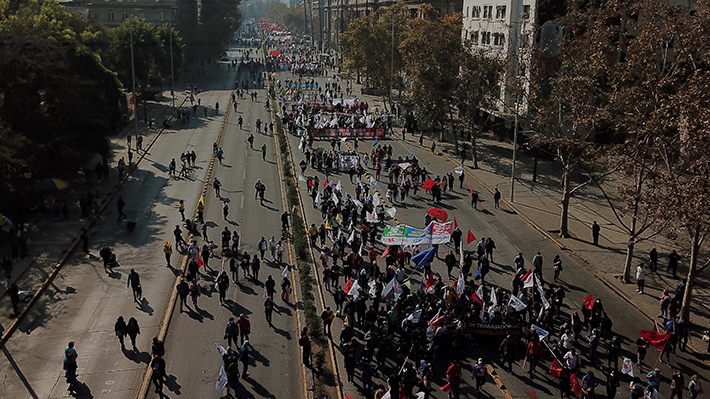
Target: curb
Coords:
[[331, 349], [74, 244], [291, 250], [165, 322]]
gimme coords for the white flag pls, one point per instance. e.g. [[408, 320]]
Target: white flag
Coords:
[[352, 237], [318, 199], [358, 181], [516, 303], [415, 317], [335, 199], [373, 182], [479, 292], [221, 381], [284, 273], [494, 298], [627, 367], [375, 200], [387, 395], [372, 217], [458, 170], [529, 280], [343, 139], [545, 302], [392, 211], [460, 285], [356, 202], [265, 294], [339, 187], [373, 288], [302, 178], [354, 289], [220, 349]]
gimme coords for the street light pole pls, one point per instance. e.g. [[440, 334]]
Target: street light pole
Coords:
[[515, 149], [133, 76], [392, 59], [172, 65]]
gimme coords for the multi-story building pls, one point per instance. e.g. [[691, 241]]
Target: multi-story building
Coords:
[[335, 15], [504, 28]]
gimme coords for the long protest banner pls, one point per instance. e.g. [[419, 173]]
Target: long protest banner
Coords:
[[435, 233], [328, 133]]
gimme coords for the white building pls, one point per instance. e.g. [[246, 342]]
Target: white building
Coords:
[[499, 26]]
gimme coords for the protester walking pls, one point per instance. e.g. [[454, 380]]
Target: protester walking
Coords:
[[133, 330], [134, 281]]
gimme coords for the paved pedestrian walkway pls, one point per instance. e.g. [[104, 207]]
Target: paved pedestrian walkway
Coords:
[[539, 204], [49, 238]]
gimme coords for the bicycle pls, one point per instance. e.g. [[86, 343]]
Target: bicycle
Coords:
[[186, 172]]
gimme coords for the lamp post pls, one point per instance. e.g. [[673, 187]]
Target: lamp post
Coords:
[[515, 149], [133, 76], [172, 66]]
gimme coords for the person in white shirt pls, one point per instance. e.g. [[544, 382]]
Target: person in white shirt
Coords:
[[572, 359], [641, 273]]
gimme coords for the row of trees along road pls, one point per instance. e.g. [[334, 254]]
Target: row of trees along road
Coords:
[[628, 99], [61, 81]]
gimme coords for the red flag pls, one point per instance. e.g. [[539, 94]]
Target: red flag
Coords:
[[428, 184], [471, 191], [325, 183], [576, 388], [556, 368], [387, 251], [446, 387], [200, 262], [429, 282], [525, 276], [347, 396], [479, 301], [470, 238], [588, 301], [456, 225], [348, 285], [655, 338]]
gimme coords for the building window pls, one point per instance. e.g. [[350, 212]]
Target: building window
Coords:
[[162, 16], [498, 39], [476, 12], [526, 11], [500, 12], [485, 38], [467, 12], [474, 37], [96, 14], [124, 15], [110, 15], [487, 12]]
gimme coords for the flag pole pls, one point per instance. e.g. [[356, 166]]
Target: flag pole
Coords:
[[660, 354]]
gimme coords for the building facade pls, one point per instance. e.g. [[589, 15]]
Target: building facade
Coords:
[[335, 15]]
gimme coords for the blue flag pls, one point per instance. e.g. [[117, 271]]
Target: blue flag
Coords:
[[412, 154], [424, 257], [669, 325], [478, 275], [375, 143]]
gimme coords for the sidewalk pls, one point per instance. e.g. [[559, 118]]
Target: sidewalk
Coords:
[[49, 239], [538, 203]]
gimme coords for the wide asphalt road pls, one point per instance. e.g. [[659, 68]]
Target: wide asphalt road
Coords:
[[83, 302], [512, 235]]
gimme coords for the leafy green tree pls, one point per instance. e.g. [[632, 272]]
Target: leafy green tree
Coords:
[[290, 18], [57, 100], [477, 89], [218, 20], [433, 50], [369, 48]]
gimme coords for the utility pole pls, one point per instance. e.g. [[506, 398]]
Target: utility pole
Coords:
[[515, 149], [392, 60], [133, 76], [172, 66]]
